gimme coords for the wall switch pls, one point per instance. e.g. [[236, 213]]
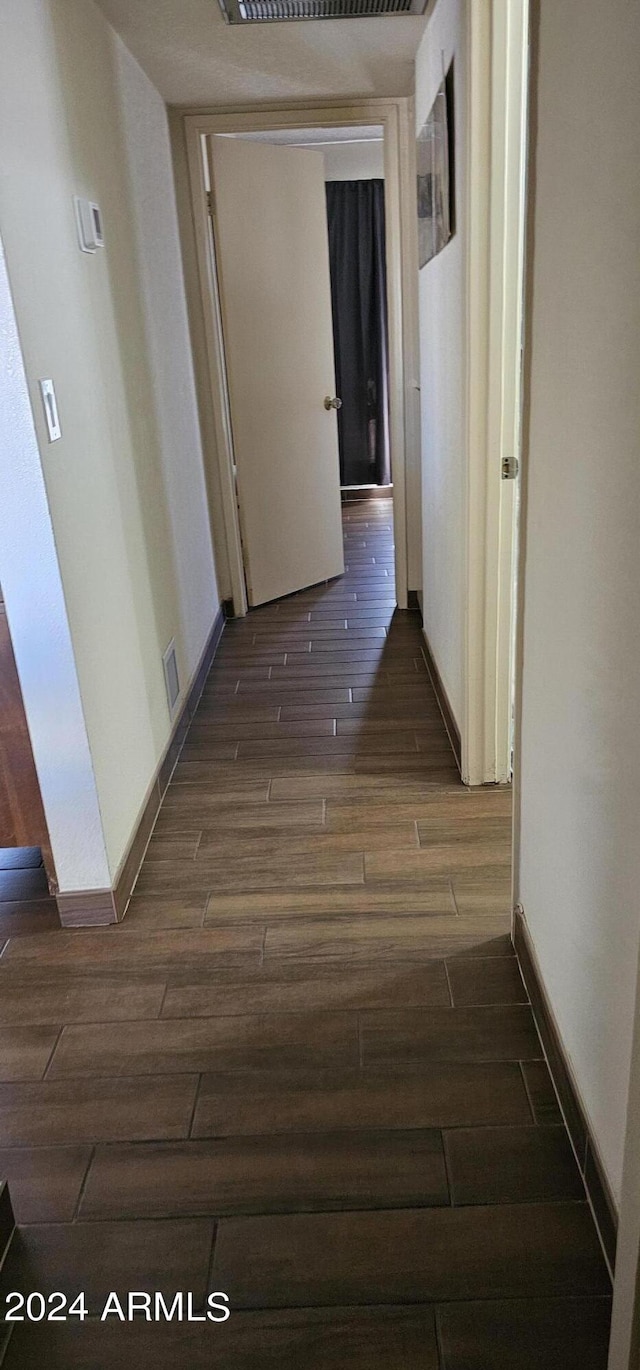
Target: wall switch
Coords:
[[50, 407]]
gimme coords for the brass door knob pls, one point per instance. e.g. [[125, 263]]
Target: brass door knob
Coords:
[[334, 403]]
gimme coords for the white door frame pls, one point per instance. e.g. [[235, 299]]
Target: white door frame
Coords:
[[399, 152], [498, 85]]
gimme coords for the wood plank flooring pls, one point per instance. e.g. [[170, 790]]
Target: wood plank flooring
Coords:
[[304, 1070], [25, 902]]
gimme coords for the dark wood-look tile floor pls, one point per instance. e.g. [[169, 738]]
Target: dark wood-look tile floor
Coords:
[[25, 902], [304, 1071]]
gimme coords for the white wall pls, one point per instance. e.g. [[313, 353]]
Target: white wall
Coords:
[[167, 331], [442, 306], [37, 616], [125, 485], [360, 161], [579, 870]]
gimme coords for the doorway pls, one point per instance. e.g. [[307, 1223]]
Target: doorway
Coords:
[[27, 871], [355, 185], [385, 124]]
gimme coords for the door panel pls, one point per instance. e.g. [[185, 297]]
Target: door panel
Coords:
[[22, 819], [272, 252]]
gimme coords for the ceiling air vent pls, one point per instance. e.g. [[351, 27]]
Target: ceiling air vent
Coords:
[[270, 11]]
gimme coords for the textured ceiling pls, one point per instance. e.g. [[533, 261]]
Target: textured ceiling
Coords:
[[195, 58]]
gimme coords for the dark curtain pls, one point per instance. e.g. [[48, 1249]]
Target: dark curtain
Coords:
[[359, 300]]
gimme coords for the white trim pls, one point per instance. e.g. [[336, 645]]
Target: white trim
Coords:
[[624, 1347], [474, 763], [411, 325], [394, 116], [514, 26], [495, 265], [230, 555]]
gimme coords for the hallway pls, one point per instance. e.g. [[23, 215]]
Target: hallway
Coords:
[[304, 1071]]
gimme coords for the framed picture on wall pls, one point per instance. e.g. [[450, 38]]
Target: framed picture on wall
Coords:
[[436, 190]]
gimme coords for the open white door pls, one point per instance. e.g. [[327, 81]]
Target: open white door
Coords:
[[270, 225]]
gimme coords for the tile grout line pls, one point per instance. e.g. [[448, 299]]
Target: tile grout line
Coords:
[[529, 1095], [211, 1261], [162, 1001], [442, 1364], [360, 1039], [83, 1183], [45, 1073], [447, 1171], [446, 971], [189, 1133]]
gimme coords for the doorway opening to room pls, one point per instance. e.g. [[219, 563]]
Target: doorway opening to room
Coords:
[[354, 170], [27, 871], [305, 270]]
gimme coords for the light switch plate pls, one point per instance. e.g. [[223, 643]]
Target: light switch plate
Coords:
[[50, 407]]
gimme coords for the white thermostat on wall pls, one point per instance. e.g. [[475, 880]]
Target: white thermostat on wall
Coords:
[[89, 221]]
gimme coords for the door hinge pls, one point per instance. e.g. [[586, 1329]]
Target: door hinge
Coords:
[[210, 206], [509, 468]]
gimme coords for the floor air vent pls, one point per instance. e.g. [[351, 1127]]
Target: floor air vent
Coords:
[[270, 11], [171, 677]]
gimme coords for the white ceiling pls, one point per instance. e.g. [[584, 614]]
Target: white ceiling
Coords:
[[195, 58]]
